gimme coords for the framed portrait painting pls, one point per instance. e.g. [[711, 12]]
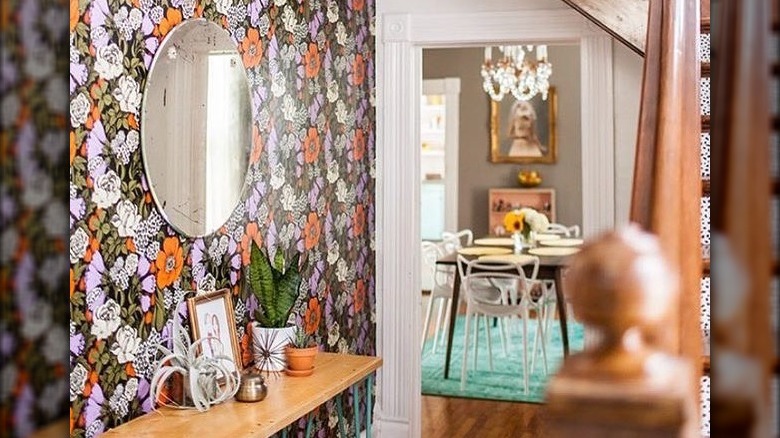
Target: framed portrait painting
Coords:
[[524, 131], [212, 317]]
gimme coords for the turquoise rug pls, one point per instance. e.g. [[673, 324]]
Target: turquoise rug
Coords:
[[505, 382]]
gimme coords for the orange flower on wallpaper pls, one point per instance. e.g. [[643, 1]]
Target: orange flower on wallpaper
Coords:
[[171, 19], [312, 61], [358, 4], [311, 231], [251, 48], [359, 145], [73, 147], [312, 316], [251, 234], [74, 14], [359, 221], [359, 296], [358, 70], [257, 145], [246, 350], [311, 146], [72, 283], [169, 262]]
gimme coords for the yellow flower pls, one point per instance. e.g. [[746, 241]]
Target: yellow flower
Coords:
[[514, 221]]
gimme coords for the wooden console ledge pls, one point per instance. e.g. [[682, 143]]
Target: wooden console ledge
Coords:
[[288, 399]]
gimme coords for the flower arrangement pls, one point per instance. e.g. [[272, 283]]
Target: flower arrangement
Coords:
[[525, 220]]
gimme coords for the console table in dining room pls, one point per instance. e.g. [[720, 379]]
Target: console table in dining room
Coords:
[[550, 268], [288, 399]]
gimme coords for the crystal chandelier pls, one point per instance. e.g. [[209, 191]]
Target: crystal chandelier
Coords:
[[516, 73]]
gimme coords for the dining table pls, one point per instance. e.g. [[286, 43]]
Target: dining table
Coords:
[[551, 267]]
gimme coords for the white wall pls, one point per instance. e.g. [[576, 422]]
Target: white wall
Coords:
[[627, 73]]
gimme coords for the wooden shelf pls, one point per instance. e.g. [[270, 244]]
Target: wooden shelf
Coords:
[[288, 399]]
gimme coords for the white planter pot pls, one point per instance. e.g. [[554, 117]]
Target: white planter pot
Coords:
[[268, 346]]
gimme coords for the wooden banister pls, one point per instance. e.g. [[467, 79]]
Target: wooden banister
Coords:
[[667, 184], [741, 120]]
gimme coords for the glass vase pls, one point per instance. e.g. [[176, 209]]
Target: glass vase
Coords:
[[517, 240]]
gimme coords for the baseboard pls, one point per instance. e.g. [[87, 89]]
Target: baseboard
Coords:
[[391, 428]]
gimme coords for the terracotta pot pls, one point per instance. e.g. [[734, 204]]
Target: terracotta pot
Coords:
[[301, 359]]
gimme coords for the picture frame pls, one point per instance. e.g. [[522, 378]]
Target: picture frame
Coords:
[[532, 138], [212, 313]]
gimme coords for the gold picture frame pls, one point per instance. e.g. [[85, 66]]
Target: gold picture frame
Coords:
[[212, 314], [535, 120]]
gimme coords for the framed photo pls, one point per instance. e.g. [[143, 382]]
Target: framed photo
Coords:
[[211, 315], [524, 131]]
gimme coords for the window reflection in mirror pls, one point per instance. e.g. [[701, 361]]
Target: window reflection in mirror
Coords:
[[196, 127]]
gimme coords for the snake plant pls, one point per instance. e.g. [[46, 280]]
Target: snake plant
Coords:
[[275, 286]]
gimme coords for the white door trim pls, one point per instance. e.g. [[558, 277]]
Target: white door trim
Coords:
[[400, 40]]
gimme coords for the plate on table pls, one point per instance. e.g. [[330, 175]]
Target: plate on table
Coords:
[[553, 251], [494, 241], [484, 250], [512, 258], [562, 242], [542, 237]]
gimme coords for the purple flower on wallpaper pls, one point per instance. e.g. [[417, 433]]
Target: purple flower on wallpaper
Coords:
[[271, 236], [314, 24], [314, 108], [251, 305], [234, 258], [255, 8], [23, 412], [95, 271], [314, 276], [96, 139], [143, 395], [314, 192], [24, 290], [94, 406], [253, 200], [98, 13], [7, 343], [273, 53], [76, 344], [78, 75], [7, 206], [259, 96], [28, 165]]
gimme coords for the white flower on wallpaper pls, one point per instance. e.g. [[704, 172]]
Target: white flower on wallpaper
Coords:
[[118, 274], [8, 241], [279, 2], [128, 93], [333, 11], [344, 193], [277, 176], [107, 189], [108, 61], [36, 319], [79, 110], [106, 319], [278, 84], [131, 388], [333, 91], [126, 218], [78, 378], [126, 344], [124, 144], [78, 244], [334, 253], [118, 403], [341, 34], [333, 333], [223, 6], [37, 189], [128, 21], [9, 109], [55, 346]]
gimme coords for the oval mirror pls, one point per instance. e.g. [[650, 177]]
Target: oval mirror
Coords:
[[196, 127]]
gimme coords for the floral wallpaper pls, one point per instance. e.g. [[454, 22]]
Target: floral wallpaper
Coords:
[[33, 216], [311, 181]]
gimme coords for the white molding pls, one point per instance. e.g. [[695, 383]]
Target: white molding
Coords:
[[399, 78], [598, 130]]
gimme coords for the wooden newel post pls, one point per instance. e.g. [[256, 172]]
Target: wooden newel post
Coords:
[[621, 287]]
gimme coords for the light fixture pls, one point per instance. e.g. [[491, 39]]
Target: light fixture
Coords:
[[516, 73]]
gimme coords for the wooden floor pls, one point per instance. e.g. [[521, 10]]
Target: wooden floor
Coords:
[[457, 417]]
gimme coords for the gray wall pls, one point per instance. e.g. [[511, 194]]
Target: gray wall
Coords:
[[476, 173]]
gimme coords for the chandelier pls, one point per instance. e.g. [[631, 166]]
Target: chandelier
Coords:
[[516, 73]]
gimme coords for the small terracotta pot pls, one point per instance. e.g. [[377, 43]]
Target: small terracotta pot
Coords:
[[300, 359]]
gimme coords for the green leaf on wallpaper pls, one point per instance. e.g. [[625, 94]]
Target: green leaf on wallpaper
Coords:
[[159, 312]]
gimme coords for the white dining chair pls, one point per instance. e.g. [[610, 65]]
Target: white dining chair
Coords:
[[452, 241], [441, 292], [566, 231], [490, 302]]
